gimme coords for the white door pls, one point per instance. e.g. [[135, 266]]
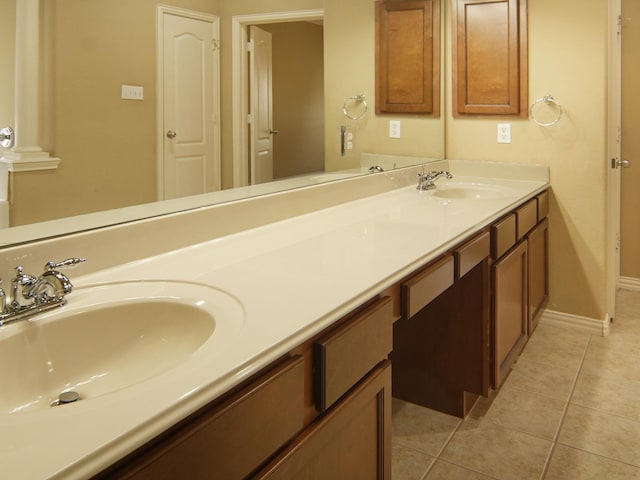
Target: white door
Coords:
[[261, 106], [191, 146]]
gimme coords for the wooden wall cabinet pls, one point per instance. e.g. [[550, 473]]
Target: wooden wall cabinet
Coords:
[[408, 57], [490, 65]]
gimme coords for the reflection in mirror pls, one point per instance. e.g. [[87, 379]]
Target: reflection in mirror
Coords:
[[109, 146]]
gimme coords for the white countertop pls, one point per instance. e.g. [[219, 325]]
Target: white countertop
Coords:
[[292, 278]]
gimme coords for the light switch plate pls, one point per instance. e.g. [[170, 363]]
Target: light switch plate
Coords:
[[504, 133], [132, 92], [394, 128]]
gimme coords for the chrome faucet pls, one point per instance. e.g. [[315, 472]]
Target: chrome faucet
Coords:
[[31, 295], [426, 181]]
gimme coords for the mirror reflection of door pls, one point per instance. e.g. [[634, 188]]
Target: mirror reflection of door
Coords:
[[191, 146], [630, 145], [297, 101], [261, 105]]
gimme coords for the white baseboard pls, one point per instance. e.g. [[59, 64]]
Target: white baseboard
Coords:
[[630, 283], [576, 322]]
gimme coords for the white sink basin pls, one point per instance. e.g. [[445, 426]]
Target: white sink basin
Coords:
[[109, 337], [470, 191]]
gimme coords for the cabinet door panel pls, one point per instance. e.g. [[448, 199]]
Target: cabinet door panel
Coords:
[[538, 272], [351, 441], [509, 310], [490, 57]]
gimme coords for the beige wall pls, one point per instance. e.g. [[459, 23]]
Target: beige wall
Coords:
[[7, 43], [567, 59], [107, 145], [630, 198], [298, 98], [350, 70]]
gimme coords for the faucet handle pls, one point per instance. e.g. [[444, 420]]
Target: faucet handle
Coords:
[[68, 263]]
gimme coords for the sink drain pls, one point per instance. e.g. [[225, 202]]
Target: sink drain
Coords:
[[66, 397]]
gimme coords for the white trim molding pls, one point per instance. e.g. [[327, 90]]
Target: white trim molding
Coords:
[[593, 326], [630, 283]]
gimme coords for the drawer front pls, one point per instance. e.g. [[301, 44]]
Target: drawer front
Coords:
[[503, 235], [236, 437], [348, 353], [543, 205], [421, 289], [527, 217], [471, 253]]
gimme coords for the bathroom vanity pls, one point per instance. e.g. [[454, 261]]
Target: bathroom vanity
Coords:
[[405, 290]]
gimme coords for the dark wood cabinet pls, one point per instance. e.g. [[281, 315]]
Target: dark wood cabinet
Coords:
[[408, 57], [490, 65], [441, 347], [538, 246], [510, 320], [352, 441]]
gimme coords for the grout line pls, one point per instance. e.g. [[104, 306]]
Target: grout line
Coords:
[[554, 442], [443, 448]]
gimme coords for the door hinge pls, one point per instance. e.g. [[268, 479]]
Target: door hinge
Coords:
[[250, 46], [620, 20], [249, 118]]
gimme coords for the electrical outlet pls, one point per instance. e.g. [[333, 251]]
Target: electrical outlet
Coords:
[[394, 128], [504, 133]]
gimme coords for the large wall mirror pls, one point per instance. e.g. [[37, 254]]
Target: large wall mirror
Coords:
[[109, 146]]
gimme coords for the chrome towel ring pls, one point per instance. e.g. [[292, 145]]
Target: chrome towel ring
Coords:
[[547, 100], [351, 102]]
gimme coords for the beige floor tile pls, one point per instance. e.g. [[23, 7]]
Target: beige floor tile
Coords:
[[520, 411], [556, 346], [601, 433], [534, 377], [608, 360], [421, 428], [609, 394], [570, 463], [497, 451], [409, 464], [448, 471], [622, 344]]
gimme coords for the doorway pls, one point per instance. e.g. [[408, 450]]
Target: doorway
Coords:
[[630, 147], [297, 94], [188, 110]]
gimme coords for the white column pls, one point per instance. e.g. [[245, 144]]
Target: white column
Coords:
[[26, 154], [27, 74]]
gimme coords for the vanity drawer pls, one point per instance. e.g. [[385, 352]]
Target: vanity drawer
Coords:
[[421, 289], [471, 253], [543, 205], [527, 216], [232, 439], [503, 235], [348, 353]]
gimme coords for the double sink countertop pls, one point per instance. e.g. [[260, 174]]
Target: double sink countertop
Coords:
[[289, 280]]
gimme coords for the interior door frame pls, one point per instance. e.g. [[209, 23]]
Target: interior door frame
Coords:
[[240, 77], [614, 123], [161, 10]]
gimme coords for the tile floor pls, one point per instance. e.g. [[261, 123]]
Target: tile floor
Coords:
[[570, 409]]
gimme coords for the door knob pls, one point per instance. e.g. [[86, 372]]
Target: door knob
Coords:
[[171, 134], [273, 132], [616, 162]]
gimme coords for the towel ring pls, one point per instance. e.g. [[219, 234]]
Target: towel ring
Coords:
[[356, 99], [548, 100]]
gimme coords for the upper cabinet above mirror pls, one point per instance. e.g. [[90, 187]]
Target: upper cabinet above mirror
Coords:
[[490, 57], [408, 57]]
